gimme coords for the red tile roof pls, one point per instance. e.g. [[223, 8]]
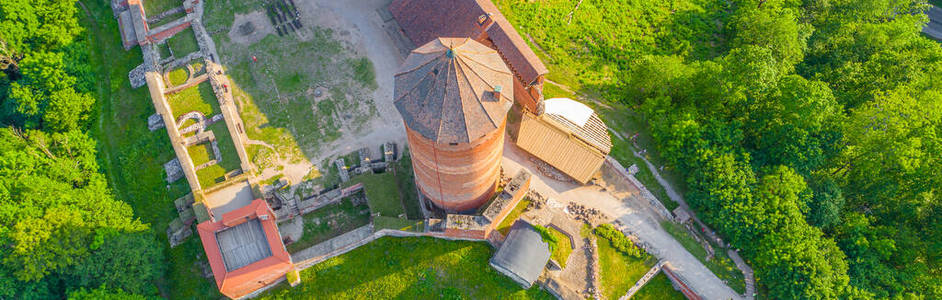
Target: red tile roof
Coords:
[[247, 279], [424, 20]]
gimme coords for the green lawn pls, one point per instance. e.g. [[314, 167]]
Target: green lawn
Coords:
[[589, 51], [330, 221], [197, 98], [229, 159], [155, 7], [407, 268], [504, 226], [200, 153], [275, 96], [183, 43], [721, 265], [131, 156], [563, 247], [382, 222], [619, 271], [178, 76], [406, 181], [381, 192], [658, 288]]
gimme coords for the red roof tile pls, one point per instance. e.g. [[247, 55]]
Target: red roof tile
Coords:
[[424, 20], [247, 279]]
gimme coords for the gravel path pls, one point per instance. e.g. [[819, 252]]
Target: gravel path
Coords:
[[635, 216]]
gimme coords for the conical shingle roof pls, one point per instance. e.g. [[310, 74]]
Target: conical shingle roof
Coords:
[[447, 90]]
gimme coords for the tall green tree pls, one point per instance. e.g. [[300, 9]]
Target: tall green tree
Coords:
[[56, 213]]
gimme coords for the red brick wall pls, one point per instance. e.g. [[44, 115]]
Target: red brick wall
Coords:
[[522, 191], [680, 283], [527, 97], [468, 234], [457, 177], [159, 36]]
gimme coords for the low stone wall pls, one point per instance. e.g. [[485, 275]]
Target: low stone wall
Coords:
[[353, 239], [641, 282], [647, 195]]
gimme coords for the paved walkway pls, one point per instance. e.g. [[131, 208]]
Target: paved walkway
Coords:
[[633, 213]]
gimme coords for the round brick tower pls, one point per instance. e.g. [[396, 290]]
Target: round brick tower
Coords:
[[453, 95]]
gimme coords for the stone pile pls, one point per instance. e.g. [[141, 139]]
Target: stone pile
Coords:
[[588, 215]]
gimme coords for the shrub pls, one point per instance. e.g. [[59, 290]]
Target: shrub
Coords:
[[618, 239], [548, 236]]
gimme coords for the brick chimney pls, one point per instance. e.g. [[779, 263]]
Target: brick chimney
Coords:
[[483, 23]]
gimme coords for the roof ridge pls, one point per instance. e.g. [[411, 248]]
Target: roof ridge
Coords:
[[441, 113], [479, 101]]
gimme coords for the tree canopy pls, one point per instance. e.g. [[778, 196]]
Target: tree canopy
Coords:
[[64, 233], [812, 144]]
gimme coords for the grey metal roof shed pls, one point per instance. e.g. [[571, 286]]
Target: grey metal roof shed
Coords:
[[523, 255]]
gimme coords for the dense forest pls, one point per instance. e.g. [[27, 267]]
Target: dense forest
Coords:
[[808, 132], [62, 231], [813, 144]]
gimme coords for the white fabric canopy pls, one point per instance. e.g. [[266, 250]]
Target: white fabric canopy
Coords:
[[572, 110]]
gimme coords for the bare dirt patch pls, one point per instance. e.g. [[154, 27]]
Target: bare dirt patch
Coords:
[[250, 28]]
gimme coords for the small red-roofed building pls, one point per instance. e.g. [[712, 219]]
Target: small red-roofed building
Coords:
[[245, 250]]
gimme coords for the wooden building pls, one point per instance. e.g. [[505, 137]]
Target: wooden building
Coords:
[[566, 135]]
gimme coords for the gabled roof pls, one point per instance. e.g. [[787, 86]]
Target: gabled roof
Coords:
[[243, 280], [446, 90], [425, 20]]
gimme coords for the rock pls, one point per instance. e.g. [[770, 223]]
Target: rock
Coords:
[[155, 122]]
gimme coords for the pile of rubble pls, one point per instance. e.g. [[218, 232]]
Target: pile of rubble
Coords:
[[549, 171], [537, 201], [588, 215]]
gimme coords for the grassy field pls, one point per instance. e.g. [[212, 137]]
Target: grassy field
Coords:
[[155, 7], [563, 247], [512, 216], [132, 156], [619, 271], [721, 264], [200, 153], [587, 48], [183, 43], [382, 222], [229, 161], [405, 179], [658, 288], [381, 192], [178, 76], [407, 268], [275, 95], [330, 221], [197, 98]]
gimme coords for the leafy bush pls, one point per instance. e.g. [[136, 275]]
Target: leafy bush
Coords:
[[619, 240], [292, 276], [547, 236]]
